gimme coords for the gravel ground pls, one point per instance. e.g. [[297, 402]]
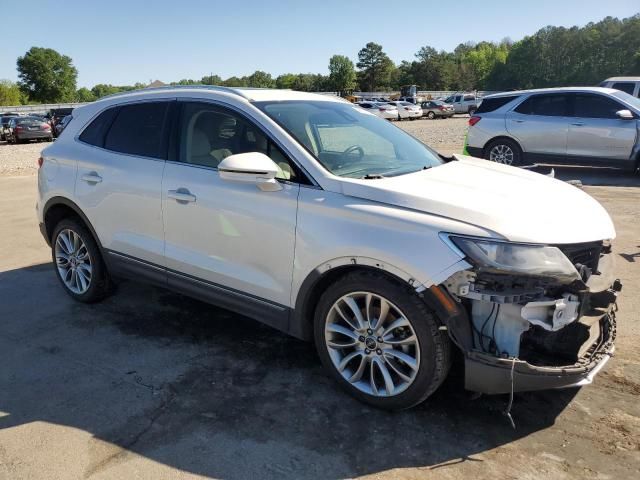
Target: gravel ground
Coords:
[[446, 136], [19, 159]]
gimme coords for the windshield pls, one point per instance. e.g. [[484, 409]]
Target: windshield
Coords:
[[630, 99], [349, 141]]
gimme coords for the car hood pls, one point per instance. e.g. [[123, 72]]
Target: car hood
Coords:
[[517, 204]]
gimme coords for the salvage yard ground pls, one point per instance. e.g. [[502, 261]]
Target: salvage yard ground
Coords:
[[150, 384]]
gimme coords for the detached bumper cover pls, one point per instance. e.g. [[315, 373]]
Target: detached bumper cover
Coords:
[[488, 374]]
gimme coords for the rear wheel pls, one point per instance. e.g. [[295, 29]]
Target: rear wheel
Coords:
[[431, 115], [472, 110], [379, 341], [78, 262], [503, 151]]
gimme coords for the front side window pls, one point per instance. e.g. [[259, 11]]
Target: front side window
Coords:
[[553, 105], [209, 134], [138, 130], [595, 106], [350, 142]]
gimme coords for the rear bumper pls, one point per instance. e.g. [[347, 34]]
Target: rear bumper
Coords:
[[43, 231], [474, 151], [486, 373], [33, 135]]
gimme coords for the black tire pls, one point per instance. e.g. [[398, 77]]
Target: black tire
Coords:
[[472, 110], [100, 284], [431, 115], [434, 344], [505, 142]]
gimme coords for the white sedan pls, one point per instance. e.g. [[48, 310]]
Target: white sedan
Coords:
[[407, 110], [382, 110]]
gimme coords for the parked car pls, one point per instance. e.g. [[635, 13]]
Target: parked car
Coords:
[[4, 123], [24, 129], [407, 110], [436, 108], [305, 213], [55, 116], [464, 102], [576, 126], [382, 110], [60, 126], [630, 85]]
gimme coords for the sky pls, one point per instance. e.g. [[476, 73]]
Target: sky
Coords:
[[124, 42]]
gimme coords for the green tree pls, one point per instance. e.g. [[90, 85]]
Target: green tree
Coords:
[[342, 74], [46, 76], [236, 82], [102, 90], [286, 80], [85, 95], [10, 93], [375, 67], [211, 80], [260, 79]]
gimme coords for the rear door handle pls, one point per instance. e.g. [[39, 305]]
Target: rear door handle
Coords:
[[578, 124], [92, 178], [182, 195], [519, 121]]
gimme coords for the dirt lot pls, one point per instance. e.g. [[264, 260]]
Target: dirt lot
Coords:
[[150, 384]]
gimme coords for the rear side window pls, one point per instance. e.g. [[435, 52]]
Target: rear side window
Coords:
[[138, 130], [469, 98], [491, 104], [94, 133], [546, 105], [595, 106], [627, 87]]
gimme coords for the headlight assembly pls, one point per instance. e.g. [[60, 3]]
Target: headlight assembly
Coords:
[[517, 258]]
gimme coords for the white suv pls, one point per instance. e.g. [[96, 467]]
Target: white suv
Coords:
[[322, 220]]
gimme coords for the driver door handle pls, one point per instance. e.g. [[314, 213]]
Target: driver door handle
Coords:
[[181, 195], [578, 124]]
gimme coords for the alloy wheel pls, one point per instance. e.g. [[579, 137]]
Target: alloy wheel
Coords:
[[73, 261], [501, 153], [372, 344]]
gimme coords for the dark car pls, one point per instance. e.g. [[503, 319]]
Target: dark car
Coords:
[[60, 126], [4, 122], [56, 115], [24, 129]]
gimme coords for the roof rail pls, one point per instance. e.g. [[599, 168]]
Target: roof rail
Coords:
[[172, 87]]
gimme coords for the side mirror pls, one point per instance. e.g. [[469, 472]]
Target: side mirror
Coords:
[[252, 167], [625, 114]]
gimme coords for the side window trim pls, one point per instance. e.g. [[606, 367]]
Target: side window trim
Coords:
[[306, 179]]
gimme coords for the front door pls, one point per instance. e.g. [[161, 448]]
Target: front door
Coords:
[[226, 241], [597, 135]]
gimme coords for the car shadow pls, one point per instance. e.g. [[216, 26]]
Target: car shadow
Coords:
[[207, 391], [592, 176]]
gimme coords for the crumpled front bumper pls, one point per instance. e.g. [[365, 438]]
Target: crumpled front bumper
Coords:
[[486, 373]]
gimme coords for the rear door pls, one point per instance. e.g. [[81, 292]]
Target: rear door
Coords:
[[119, 178], [541, 125], [597, 135]]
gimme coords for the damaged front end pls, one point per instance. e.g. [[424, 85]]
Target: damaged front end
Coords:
[[532, 317]]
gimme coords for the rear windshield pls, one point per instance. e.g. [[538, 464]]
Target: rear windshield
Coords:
[[491, 104], [28, 121]]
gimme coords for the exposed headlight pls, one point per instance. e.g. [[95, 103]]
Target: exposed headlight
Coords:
[[507, 257]]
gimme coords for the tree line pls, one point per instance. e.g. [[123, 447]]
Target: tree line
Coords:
[[553, 56]]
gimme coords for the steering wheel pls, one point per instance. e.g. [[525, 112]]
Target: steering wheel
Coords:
[[354, 148]]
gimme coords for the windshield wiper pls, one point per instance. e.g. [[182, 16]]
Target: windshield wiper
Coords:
[[372, 176]]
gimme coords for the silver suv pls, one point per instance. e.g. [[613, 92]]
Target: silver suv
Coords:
[[318, 218], [576, 126]]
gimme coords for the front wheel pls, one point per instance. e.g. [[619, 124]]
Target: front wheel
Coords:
[[503, 151], [78, 262], [379, 341], [431, 115]]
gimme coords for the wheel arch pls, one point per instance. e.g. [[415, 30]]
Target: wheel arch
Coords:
[[316, 282], [58, 208], [501, 137]]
